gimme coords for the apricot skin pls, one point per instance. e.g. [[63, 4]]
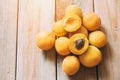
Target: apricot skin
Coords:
[[91, 21], [72, 47], [72, 23], [82, 30], [73, 9], [70, 65], [45, 40], [61, 46], [58, 28], [97, 38], [91, 57]]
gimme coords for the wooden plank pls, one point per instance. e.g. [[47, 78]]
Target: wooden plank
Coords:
[[109, 12], [8, 29], [33, 63], [84, 73]]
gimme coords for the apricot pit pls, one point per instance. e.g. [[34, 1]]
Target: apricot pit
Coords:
[[78, 44]]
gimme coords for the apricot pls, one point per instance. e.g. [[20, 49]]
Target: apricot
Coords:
[[61, 45], [78, 44], [45, 40], [72, 23], [91, 21], [73, 9], [58, 28], [91, 57], [70, 65], [82, 30], [97, 38]]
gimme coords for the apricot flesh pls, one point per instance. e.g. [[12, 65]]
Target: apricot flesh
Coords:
[[72, 23], [73, 9], [82, 30], [91, 57], [97, 38], [45, 40], [58, 28], [78, 44], [70, 65], [61, 46], [91, 21]]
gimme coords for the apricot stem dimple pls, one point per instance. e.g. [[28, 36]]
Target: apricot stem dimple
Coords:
[[79, 43]]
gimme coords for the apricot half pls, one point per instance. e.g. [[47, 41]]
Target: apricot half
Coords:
[[91, 21], [97, 38], [58, 28], [82, 30], [61, 45], [72, 22], [70, 65], [73, 9], [45, 40], [78, 44], [91, 57]]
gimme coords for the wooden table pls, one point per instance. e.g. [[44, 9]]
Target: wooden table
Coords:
[[21, 20]]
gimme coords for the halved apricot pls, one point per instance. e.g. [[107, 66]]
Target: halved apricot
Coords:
[[73, 9], [61, 46], [45, 40], [72, 22], [91, 21], [70, 65], [78, 44], [97, 38], [91, 57], [82, 30], [58, 28]]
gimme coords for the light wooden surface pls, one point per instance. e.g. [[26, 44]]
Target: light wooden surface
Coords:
[[8, 36], [21, 20]]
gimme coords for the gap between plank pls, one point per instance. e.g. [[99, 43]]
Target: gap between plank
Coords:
[[96, 66], [55, 51], [17, 39]]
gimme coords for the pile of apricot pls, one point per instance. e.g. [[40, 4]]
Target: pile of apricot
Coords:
[[77, 37]]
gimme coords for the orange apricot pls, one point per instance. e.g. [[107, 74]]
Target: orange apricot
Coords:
[[82, 30], [97, 38], [61, 46], [78, 44], [58, 28], [91, 21], [45, 40], [91, 57], [73, 9], [72, 22], [70, 65]]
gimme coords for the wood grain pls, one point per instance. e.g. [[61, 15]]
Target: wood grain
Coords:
[[33, 63], [109, 12], [8, 30], [84, 73]]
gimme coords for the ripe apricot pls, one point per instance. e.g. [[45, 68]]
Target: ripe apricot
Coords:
[[91, 21], [61, 45], [82, 30], [97, 38], [72, 22], [91, 57], [70, 65], [73, 9], [45, 40], [58, 28], [78, 44]]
